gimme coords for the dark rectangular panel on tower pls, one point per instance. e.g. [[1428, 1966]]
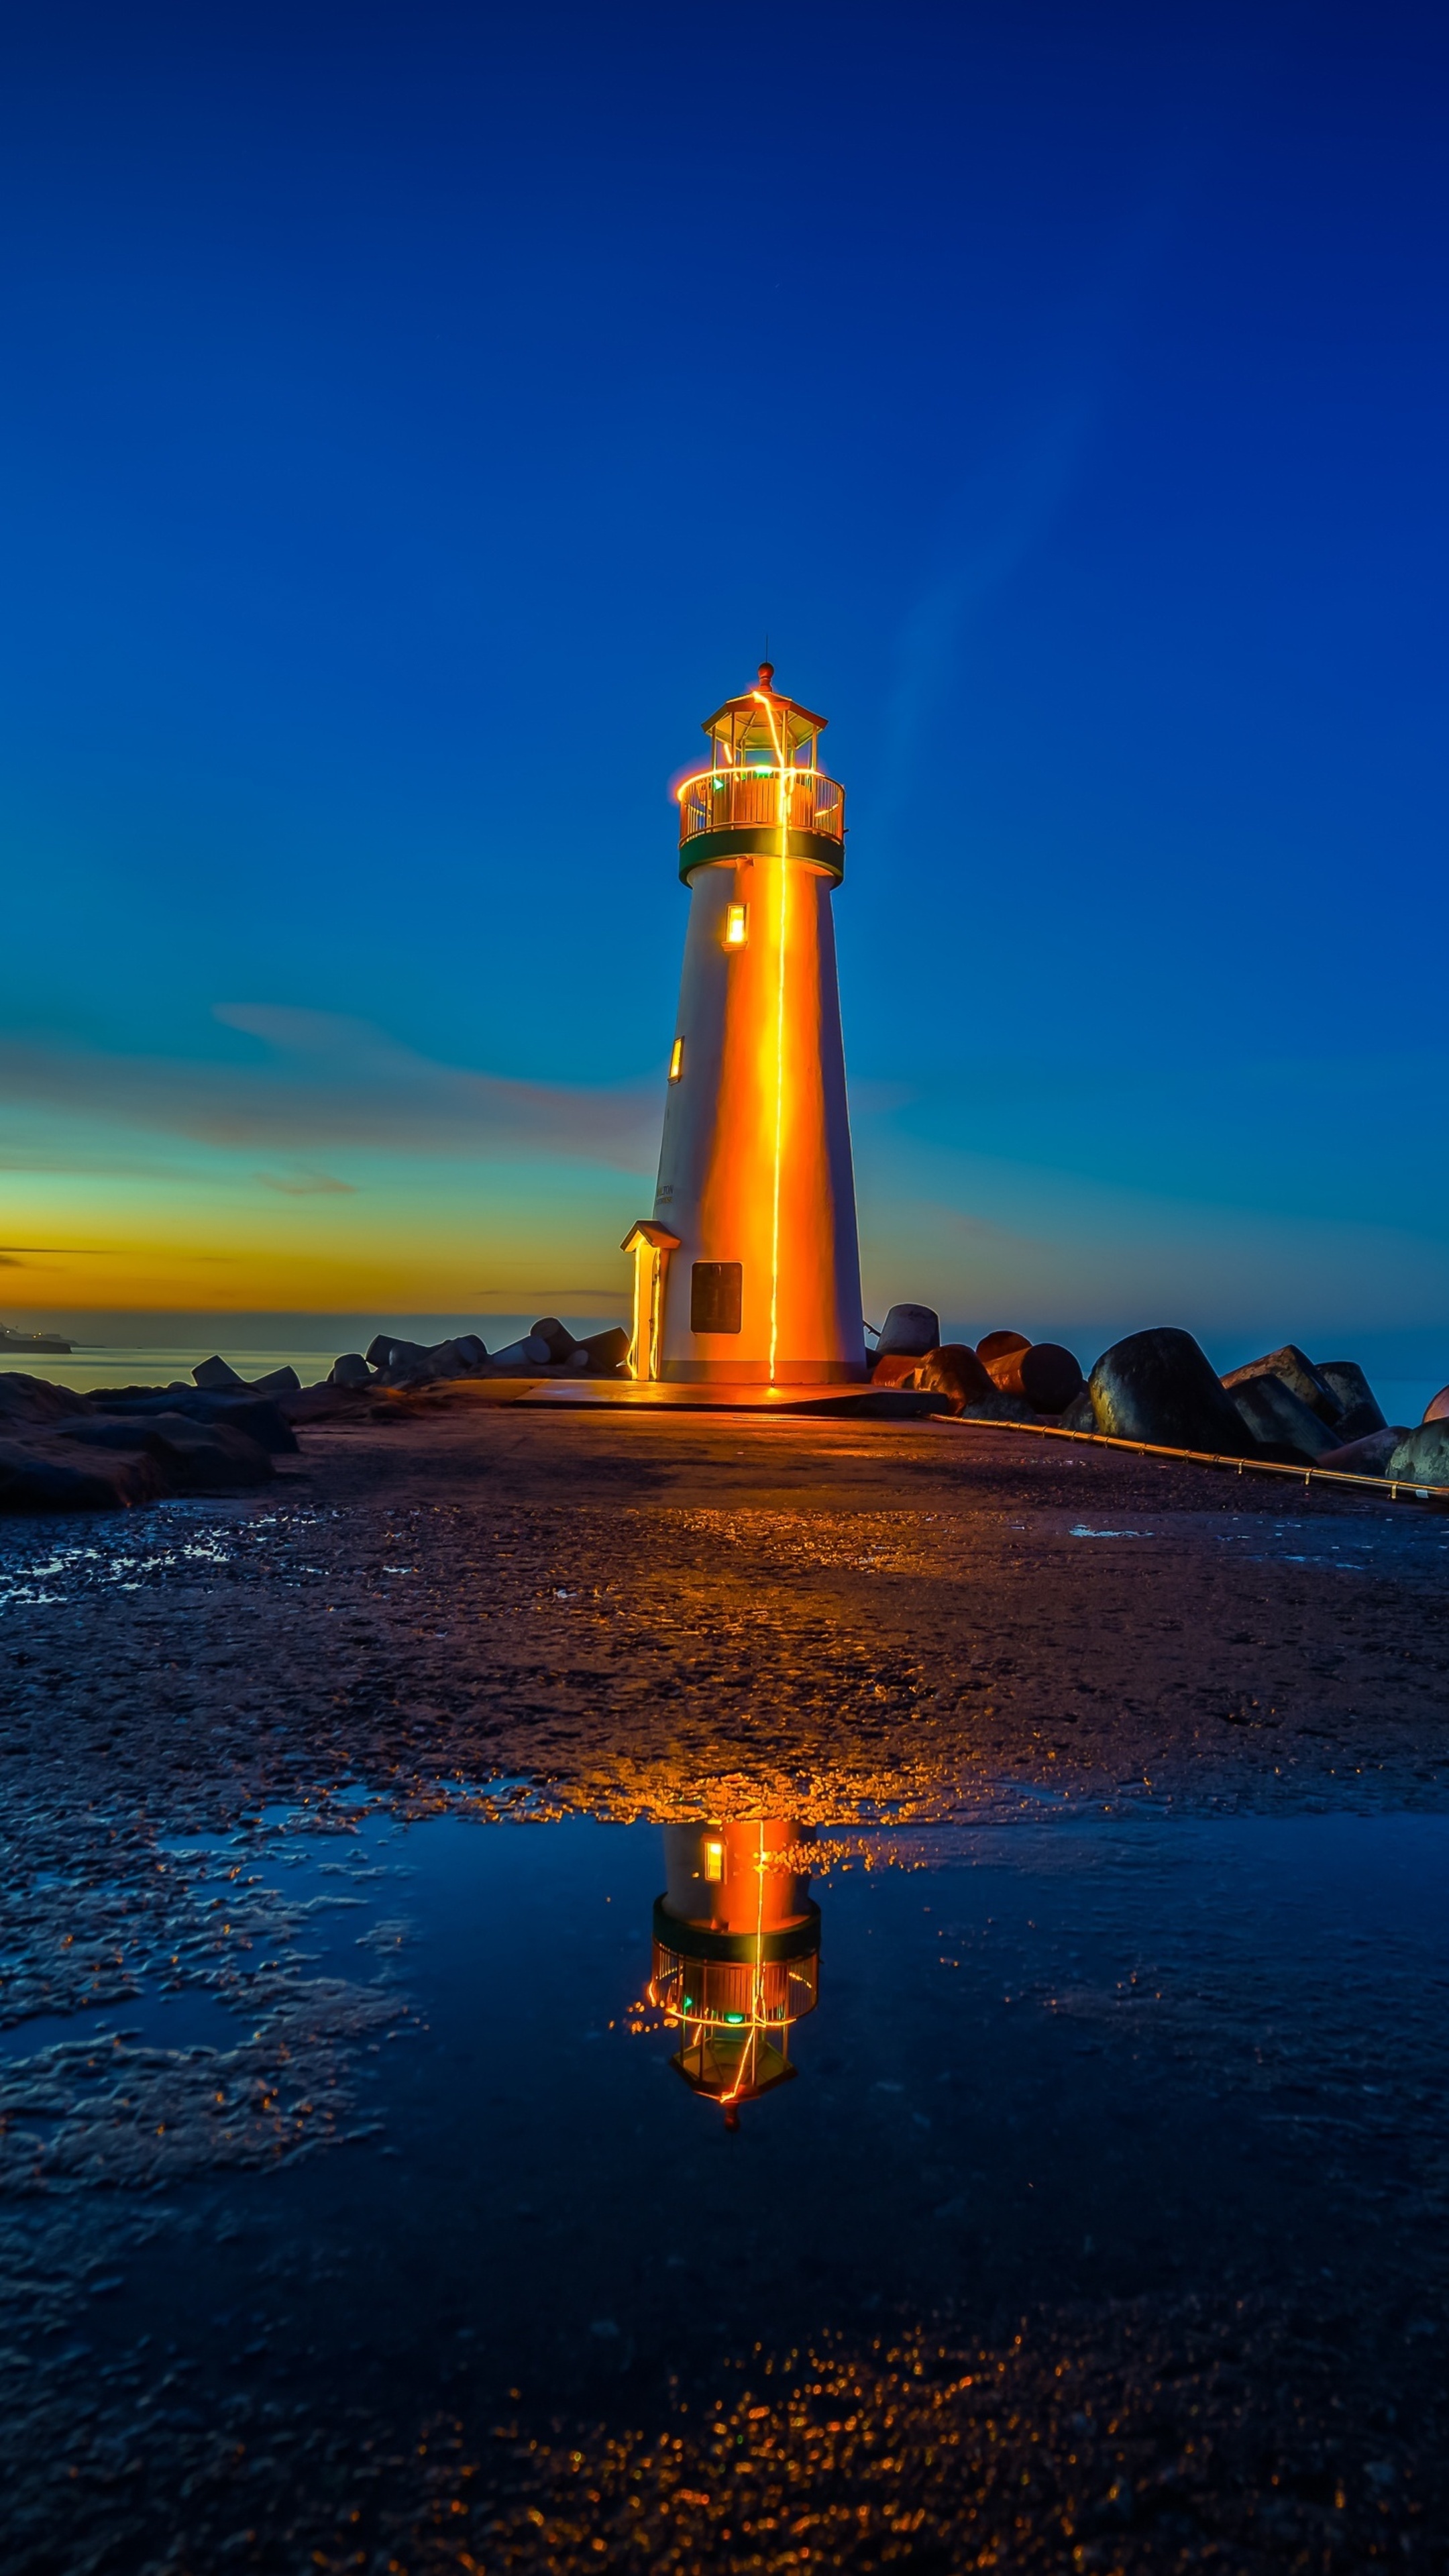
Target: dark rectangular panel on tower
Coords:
[[715, 1289]]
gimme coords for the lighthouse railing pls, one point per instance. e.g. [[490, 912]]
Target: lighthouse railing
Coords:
[[803, 799]]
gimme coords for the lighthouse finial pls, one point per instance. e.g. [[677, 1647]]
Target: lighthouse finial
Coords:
[[767, 673]]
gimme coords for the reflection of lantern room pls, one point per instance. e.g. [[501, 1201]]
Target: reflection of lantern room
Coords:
[[736, 1955]]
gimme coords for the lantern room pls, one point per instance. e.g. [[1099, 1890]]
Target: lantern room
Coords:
[[764, 775]]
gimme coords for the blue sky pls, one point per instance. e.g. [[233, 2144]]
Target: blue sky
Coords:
[[416, 422]]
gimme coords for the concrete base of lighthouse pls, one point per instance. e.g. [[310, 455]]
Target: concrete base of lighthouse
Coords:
[[633, 1395], [759, 1373]]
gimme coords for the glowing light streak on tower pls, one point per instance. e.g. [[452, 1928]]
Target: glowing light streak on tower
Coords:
[[783, 793]]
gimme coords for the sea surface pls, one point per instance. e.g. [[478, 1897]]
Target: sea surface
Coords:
[[139, 1364]]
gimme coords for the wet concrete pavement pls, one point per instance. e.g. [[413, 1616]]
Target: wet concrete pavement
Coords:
[[352, 2212]]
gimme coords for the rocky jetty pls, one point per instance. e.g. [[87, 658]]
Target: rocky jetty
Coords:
[[127, 1445], [550, 1348], [121, 1446], [1159, 1387]]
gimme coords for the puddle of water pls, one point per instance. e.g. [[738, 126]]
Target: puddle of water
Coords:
[[191, 2019], [996, 2066]]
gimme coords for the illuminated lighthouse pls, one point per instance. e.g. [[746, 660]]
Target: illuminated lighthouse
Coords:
[[748, 1272]]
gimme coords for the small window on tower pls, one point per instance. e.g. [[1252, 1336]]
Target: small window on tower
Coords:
[[715, 1290], [737, 924], [713, 1862], [676, 1061]]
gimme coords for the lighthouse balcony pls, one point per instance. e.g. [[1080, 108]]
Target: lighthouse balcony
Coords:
[[728, 813]]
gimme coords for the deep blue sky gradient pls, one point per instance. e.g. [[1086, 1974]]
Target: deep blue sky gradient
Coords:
[[417, 418]]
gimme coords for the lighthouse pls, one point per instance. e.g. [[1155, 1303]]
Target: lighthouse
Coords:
[[748, 1271]]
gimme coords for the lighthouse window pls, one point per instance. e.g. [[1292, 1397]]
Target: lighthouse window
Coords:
[[713, 1870], [676, 1061], [715, 1289], [737, 925]]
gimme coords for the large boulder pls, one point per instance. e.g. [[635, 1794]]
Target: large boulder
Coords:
[[1043, 1374], [1297, 1371], [1079, 1415], [350, 1370], [281, 1381], [1422, 1456], [34, 1400], [254, 1415], [471, 1350], [1160, 1387], [1437, 1408], [1359, 1411], [1368, 1456], [952, 1371], [912, 1330], [39, 1480], [557, 1336], [998, 1406], [194, 1457], [1283, 1426]]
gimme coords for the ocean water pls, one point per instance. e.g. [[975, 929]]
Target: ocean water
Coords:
[[136, 1364]]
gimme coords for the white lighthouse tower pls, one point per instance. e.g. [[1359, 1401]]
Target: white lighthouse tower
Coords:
[[748, 1272]]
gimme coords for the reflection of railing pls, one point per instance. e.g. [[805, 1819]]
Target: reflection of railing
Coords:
[[803, 800], [726, 1993]]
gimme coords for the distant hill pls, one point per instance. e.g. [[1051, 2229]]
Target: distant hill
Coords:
[[30, 1341]]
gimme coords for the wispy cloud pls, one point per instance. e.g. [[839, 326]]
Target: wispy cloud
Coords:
[[1029, 460], [307, 1185], [323, 1083]]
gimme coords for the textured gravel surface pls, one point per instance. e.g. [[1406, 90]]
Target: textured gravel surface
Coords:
[[499, 1615]]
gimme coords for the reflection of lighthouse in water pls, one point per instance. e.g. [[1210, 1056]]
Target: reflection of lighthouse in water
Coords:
[[736, 1954]]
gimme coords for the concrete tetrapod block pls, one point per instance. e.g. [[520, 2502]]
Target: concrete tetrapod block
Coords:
[[912, 1330], [953, 1371], [607, 1350], [1043, 1374], [895, 1368], [520, 1359], [350, 1370], [216, 1373], [1161, 1387], [1422, 1456], [993, 1348], [1437, 1408], [1355, 1398], [1280, 1422], [1297, 1371]]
